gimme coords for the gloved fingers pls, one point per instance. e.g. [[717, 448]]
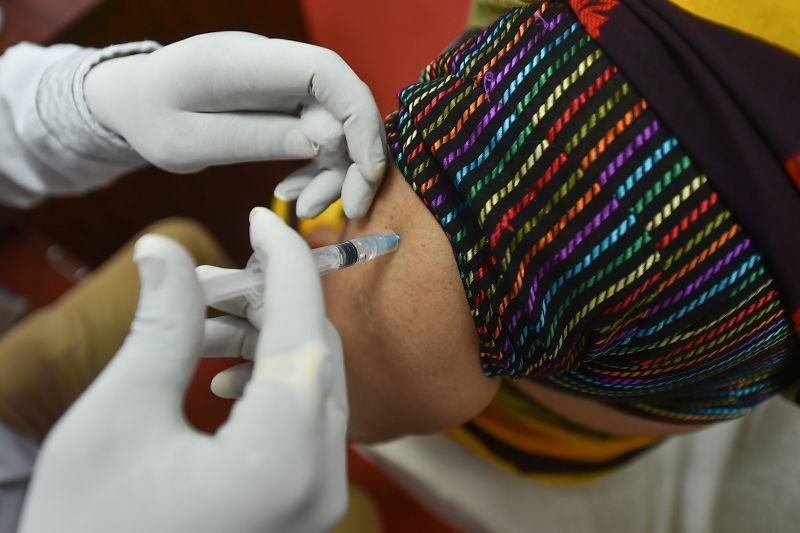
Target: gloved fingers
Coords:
[[299, 394], [319, 184], [293, 371], [286, 397], [229, 336], [339, 90], [253, 68], [290, 188], [293, 308], [239, 71], [337, 404], [295, 183], [236, 306], [230, 383], [159, 355], [357, 193], [322, 191], [323, 129], [208, 139]]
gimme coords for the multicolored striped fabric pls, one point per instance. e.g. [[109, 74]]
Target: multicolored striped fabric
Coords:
[[527, 439], [595, 255]]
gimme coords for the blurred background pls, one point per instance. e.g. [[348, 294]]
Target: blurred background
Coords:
[[47, 250]]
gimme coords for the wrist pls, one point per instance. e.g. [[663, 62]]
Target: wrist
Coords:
[[64, 112], [101, 90]]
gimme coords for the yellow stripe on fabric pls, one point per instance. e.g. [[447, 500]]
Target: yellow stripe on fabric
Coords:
[[465, 439], [711, 226], [623, 350], [424, 94], [683, 336], [421, 168], [604, 295], [544, 144], [567, 185], [776, 336], [706, 253], [685, 194], [502, 36], [696, 354], [474, 251], [524, 428], [445, 113]]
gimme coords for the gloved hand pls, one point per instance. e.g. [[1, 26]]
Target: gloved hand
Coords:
[[230, 97], [238, 331], [123, 457]]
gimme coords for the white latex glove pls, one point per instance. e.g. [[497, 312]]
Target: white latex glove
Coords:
[[236, 334], [231, 97], [123, 458]]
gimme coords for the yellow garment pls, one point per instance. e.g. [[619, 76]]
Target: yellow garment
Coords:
[[529, 428], [774, 21]]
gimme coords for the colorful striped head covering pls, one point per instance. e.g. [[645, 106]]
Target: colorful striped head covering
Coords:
[[594, 252]]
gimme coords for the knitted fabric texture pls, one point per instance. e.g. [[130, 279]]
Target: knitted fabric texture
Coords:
[[594, 253]]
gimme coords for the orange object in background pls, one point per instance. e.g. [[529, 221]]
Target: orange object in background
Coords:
[[386, 43]]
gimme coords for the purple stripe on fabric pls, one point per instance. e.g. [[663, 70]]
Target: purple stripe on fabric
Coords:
[[619, 338], [506, 344], [455, 60], [712, 271], [566, 251], [522, 53], [725, 356], [439, 200], [629, 150], [607, 210], [621, 158], [607, 173], [473, 138]]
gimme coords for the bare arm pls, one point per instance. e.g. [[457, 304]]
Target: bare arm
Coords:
[[410, 345]]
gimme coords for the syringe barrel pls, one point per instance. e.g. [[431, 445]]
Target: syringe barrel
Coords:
[[249, 282]]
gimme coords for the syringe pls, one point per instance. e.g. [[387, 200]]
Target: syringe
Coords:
[[228, 284]]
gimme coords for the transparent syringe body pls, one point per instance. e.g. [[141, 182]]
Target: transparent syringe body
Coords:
[[249, 282]]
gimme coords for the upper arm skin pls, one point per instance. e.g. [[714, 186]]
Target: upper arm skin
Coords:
[[411, 350]]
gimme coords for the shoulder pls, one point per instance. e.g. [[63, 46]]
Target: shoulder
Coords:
[[410, 344]]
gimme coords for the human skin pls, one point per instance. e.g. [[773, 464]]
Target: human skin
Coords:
[[411, 349]]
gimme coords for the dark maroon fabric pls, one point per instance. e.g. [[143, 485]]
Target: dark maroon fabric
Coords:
[[734, 102]]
